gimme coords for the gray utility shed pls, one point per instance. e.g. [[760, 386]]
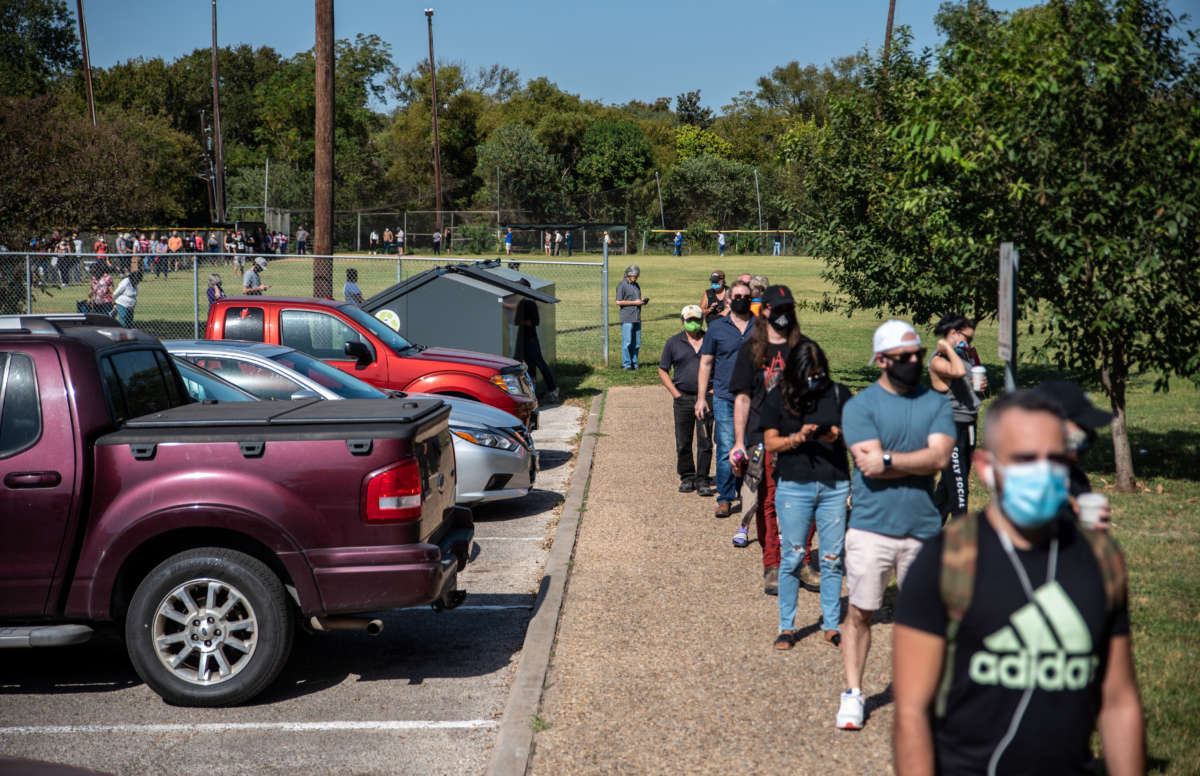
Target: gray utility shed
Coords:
[[468, 306]]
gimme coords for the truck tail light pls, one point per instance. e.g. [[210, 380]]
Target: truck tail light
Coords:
[[394, 494]]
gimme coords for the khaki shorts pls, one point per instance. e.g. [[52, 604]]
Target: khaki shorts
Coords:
[[870, 560]]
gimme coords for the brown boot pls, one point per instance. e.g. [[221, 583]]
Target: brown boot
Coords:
[[723, 509], [771, 580]]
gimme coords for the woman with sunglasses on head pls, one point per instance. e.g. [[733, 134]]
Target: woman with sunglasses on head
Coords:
[[801, 422], [949, 374]]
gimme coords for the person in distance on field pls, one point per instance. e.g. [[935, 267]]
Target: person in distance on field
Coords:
[[1021, 619], [630, 302]]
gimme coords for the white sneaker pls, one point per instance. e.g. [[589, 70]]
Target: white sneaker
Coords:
[[850, 713]]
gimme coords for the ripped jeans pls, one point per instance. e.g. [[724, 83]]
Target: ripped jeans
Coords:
[[797, 504]]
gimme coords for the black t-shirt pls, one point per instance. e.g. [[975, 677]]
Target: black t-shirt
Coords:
[[813, 460], [992, 661], [527, 312], [683, 363], [756, 382]]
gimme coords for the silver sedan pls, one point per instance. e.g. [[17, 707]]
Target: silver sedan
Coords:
[[495, 454]]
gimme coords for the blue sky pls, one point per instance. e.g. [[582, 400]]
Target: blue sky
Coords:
[[612, 51]]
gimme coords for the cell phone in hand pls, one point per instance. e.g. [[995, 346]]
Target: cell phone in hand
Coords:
[[646, 300], [821, 431]]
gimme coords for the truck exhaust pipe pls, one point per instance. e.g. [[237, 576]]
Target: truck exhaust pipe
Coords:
[[372, 625]]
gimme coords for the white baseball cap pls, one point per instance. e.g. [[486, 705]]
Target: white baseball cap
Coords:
[[691, 311], [895, 334]]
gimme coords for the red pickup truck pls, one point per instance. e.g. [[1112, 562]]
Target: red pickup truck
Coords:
[[207, 530], [362, 345]]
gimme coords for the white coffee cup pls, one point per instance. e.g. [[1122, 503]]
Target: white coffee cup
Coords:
[[1090, 506], [978, 377]]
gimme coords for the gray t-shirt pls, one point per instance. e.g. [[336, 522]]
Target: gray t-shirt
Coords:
[[251, 281], [964, 402], [902, 506], [627, 291]]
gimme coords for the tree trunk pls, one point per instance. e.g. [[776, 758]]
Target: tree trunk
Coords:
[[322, 236], [1113, 374]]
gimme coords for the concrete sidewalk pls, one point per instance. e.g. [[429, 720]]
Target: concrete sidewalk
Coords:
[[663, 661]]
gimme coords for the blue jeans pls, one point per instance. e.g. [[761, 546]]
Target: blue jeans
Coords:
[[125, 316], [775, 248], [631, 343], [728, 486], [796, 504]]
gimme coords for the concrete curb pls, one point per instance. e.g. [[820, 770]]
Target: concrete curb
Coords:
[[510, 757]]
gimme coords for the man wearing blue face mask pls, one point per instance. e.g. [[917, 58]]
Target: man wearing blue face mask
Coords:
[[1021, 619]]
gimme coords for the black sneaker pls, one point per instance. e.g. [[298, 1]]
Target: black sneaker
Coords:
[[687, 486]]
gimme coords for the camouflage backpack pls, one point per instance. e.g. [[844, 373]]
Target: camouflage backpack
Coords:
[[960, 551]]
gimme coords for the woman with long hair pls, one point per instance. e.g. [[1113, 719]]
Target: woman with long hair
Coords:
[[949, 374], [801, 421]]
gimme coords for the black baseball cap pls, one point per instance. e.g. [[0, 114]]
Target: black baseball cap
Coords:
[[777, 295], [1076, 405]]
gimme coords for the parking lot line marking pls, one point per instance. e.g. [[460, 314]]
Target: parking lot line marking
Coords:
[[510, 538], [229, 727]]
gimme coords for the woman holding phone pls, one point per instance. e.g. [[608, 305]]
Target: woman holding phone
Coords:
[[801, 422]]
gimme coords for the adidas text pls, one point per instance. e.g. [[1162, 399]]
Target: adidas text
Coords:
[[1050, 671]]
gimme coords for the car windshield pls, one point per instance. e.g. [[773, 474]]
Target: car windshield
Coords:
[[390, 336], [203, 385], [344, 385]]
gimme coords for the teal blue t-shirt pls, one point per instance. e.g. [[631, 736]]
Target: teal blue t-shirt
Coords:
[[901, 506]]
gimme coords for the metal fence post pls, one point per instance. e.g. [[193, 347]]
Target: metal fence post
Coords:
[[196, 297], [28, 285], [604, 299], [358, 233]]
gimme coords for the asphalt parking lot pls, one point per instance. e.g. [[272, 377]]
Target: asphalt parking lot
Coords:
[[425, 696]]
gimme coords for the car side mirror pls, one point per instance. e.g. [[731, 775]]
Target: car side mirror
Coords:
[[305, 393], [359, 351]]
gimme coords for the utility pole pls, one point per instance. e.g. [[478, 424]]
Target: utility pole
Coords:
[[887, 35], [266, 183], [219, 181], [437, 154], [87, 64], [323, 180], [662, 219], [207, 135]]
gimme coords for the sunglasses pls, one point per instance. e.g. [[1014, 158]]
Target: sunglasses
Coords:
[[740, 296], [900, 358]]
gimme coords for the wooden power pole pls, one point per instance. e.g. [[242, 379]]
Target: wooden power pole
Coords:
[[322, 232], [887, 34], [218, 145], [87, 63], [437, 153]]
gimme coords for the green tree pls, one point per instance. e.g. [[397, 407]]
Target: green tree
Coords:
[[1050, 127], [38, 47], [689, 110], [529, 180], [711, 190], [57, 170], [615, 157], [692, 141]]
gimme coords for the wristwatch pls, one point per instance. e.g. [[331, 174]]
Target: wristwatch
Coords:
[[887, 460]]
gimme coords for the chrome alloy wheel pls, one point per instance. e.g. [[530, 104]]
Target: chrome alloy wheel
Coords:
[[205, 631]]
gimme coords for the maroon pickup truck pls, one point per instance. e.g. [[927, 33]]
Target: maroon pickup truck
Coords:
[[209, 531]]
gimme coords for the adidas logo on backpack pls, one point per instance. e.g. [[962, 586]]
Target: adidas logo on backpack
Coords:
[[1046, 645]]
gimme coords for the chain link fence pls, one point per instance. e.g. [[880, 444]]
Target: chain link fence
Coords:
[[173, 295]]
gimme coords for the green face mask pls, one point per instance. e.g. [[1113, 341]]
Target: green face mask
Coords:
[[693, 326]]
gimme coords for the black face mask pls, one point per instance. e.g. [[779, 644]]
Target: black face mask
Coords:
[[907, 373], [741, 305], [783, 321]]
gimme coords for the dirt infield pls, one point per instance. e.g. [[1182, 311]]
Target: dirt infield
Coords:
[[663, 662]]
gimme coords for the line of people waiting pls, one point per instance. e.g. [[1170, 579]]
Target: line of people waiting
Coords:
[[861, 471]]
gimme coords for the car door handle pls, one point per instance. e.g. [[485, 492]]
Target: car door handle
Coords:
[[32, 479]]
